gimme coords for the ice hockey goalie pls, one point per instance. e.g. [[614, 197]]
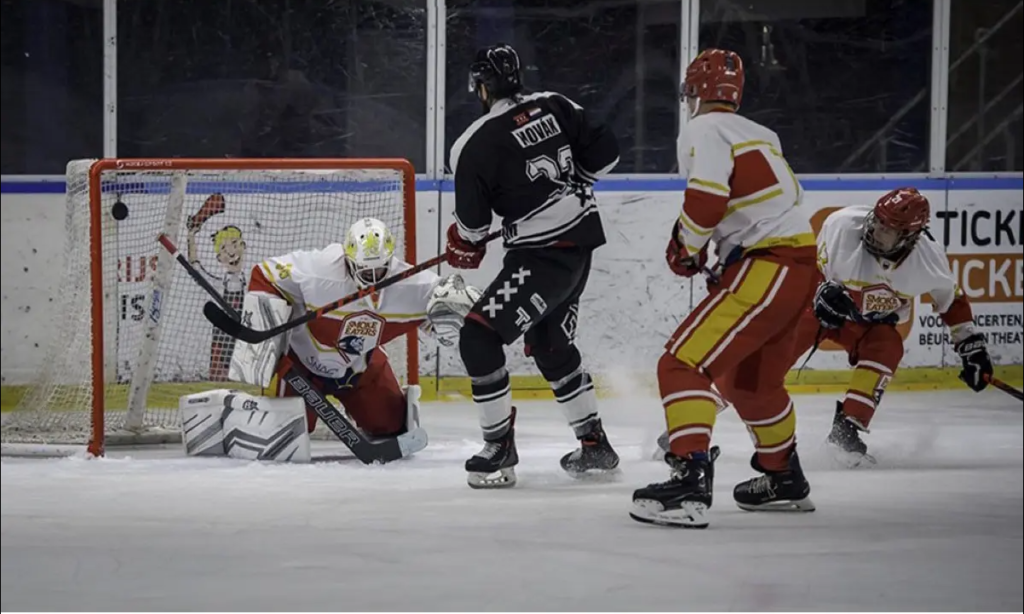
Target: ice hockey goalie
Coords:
[[874, 261], [341, 354]]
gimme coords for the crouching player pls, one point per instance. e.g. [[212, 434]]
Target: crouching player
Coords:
[[341, 354], [874, 261]]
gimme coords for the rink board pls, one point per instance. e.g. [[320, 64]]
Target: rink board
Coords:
[[632, 303]]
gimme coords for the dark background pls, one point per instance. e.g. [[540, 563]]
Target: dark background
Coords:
[[844, 82]]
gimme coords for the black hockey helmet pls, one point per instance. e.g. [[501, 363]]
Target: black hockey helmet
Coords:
[[497, 68]]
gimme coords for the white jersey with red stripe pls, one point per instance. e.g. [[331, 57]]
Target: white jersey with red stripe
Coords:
[[886, 286], [740, 192], [341, 340]]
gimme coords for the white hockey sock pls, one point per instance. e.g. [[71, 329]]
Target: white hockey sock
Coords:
[[575, 395], [492, 395]]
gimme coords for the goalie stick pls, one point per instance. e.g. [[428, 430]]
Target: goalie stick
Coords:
[[367, 450], [223, 320], [197, 277]]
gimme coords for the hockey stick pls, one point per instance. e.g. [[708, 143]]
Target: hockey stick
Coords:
[[1008, 389], [365, 449], [198, 277], [236, 329]]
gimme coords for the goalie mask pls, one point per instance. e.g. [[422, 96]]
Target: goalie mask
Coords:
[[369, 247], [894, 225]]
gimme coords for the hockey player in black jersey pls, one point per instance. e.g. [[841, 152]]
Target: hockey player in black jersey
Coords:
[[532, 160]]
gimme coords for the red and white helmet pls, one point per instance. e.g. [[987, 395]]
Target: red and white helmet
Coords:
[[896, 222], [716, 75]]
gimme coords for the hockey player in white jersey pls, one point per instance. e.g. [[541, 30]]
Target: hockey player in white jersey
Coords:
[[874, 261], [342, 353], [741, 196]]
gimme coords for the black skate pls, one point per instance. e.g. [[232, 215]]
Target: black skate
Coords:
[[845, 440], [775, 491], [493, 466], [595, 454], [684, 499]]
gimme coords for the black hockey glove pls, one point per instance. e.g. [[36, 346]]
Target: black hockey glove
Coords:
[[833, 305], [977, 364]]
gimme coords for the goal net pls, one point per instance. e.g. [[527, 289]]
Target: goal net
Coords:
[[131, 338]]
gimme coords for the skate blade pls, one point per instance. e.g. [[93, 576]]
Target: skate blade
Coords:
[[689, 515], [596, 475], [788, 505], [502, 478], [850, 460]]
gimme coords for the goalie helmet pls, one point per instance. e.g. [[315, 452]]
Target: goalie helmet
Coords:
[[497, 69], [716, 75], [369, 247], [895, 223]]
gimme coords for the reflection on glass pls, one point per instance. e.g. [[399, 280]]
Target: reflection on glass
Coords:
[[845, 83], [52, 84], [985, 93], [294, 78], [619, 60]]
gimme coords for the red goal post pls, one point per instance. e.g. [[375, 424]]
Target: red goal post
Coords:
[[126, 303]]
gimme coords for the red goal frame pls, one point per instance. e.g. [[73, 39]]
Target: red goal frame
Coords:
[[98, 432]]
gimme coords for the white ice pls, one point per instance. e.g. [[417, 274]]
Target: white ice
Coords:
[[937, 525]]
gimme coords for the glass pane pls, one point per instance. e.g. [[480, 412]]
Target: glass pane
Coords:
[[619, 60], [845, 83], [52, 84], [985, 75], [296, 78]]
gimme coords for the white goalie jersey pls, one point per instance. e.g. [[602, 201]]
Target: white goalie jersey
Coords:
[[338, 343]]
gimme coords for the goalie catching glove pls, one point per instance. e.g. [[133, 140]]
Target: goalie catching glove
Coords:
[[449, 303], [680, 260]]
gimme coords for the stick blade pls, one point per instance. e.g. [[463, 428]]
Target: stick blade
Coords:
[[221, 320]]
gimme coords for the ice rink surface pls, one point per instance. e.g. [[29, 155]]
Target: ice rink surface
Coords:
[[936, 525]]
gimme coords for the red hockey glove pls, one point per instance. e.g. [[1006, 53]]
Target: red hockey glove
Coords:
[[681, 262], [461, 253]]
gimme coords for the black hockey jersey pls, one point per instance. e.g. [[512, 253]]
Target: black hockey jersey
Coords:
[[533, 161]]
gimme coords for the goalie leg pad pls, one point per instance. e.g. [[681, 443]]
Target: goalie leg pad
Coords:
[[255, 363], [238, 425], [414, 438]]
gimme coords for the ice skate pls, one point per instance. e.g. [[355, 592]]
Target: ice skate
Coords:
[[594, 456], [684, 499], [494, 465], [845, 442], [775, 491]]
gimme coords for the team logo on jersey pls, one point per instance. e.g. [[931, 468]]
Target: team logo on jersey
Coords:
[[569, 323], [537, 131], [879, 299], [360, 333]]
